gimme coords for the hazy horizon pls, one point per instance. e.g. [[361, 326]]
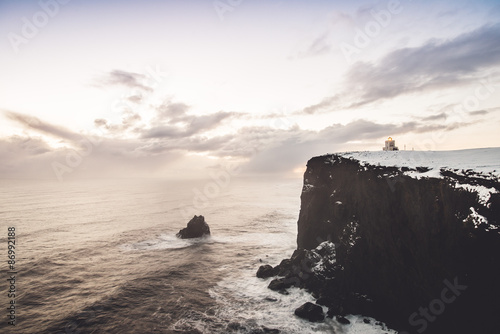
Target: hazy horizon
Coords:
[[170, 89]]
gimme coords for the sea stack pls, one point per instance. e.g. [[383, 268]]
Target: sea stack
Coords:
[[196, 228]]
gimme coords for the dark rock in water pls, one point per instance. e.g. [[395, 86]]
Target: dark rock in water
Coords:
[[196, 228], [265, 330], [366, 321], [311, 312], [283, 267], [280, 284], [343, 320], [271, 299], [266, 271]]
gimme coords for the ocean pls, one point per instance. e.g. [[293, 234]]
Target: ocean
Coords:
[[101, 256]]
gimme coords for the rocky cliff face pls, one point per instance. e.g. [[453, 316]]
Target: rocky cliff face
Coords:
[[421, 254]]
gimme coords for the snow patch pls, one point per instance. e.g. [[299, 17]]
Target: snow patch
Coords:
[[482, 163], [486, 160], [483, 192], [479, 220], [326, 254], [307, 187]]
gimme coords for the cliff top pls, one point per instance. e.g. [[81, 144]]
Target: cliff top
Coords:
[[483, 160]]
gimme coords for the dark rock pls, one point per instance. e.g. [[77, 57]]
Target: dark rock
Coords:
[[266, 271], [196, 228], [311, 312], [325, 300], [283, 268], [423, 169], [280, 284], [342, 320], [366, 321], [354, 303], [271, 299], [334, 310]]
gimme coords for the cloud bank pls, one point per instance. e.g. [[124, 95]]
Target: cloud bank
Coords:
[[438, 64]]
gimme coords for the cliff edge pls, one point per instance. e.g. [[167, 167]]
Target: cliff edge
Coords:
[[411, 240]]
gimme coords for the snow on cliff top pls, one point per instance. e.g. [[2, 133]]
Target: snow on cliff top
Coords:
[[484, 163], [482, 160]]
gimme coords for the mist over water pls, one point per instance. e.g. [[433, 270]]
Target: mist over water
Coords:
[[102, 256]]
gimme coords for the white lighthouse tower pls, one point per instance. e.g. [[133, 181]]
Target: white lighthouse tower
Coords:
[[390, 145]]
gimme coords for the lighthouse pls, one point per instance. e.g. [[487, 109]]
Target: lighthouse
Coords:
[[390, 145]]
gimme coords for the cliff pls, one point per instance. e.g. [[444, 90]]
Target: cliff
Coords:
[[415, 246]]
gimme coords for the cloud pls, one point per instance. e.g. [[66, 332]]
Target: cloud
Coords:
[[275, 150], [478, 112], [436, 117], [320, 45], [136, 98], [28, 145], [43, 127], [23, 156], [281, 151], [438, 64], [191, 125], [322, 42], [151, 148], [127, 79], [326, 102], [172, 111], [173, 121], [130, 123], [447, 13]]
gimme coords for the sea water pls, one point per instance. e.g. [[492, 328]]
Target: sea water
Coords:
[[101, 256]]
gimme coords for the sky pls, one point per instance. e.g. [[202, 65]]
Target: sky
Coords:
[[183, 89]]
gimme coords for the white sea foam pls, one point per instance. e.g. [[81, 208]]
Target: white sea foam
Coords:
[[166, 241], [247, 298]]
